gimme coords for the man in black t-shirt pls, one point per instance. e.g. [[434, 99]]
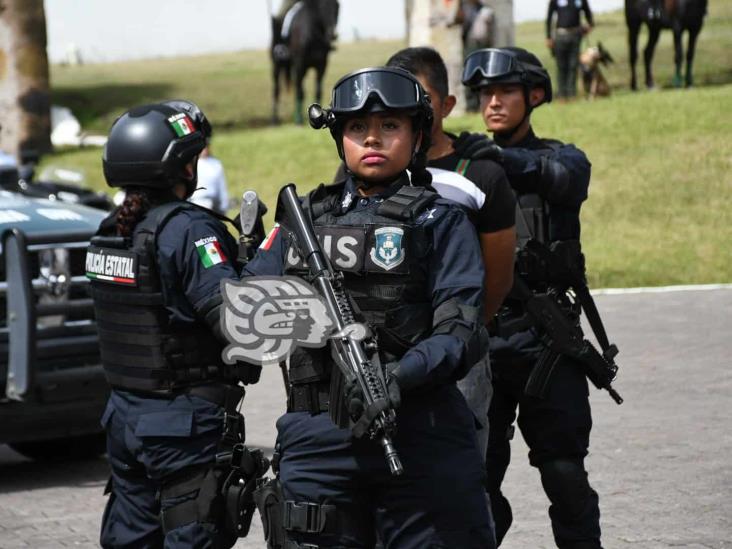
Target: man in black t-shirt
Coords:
[[482, 188]]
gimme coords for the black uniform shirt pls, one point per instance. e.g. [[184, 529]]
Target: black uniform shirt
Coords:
[[483, 189], [568, 14]]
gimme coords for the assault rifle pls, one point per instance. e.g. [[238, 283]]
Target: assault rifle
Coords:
[[354, 347], [562, 265]]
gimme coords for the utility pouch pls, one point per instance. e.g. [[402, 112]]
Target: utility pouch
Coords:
[[337, 402]]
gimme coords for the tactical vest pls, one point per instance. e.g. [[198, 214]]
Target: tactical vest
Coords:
[[533, 225], [381, 252], [140, 349]]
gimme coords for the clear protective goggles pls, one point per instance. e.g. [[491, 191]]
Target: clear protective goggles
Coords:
[[395, 88], [488, 63]]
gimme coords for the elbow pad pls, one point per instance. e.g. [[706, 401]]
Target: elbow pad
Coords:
[[210, 312], [462, 321], [555, 180]]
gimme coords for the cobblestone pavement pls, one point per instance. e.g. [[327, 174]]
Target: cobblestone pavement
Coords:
[[661, 462]]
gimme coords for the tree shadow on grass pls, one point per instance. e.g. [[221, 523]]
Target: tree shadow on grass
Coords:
[[98, 106]]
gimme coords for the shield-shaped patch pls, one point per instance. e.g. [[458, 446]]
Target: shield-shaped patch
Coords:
[[387, 251]]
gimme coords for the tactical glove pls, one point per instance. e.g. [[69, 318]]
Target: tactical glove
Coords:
[[477, 146], [362, 415]]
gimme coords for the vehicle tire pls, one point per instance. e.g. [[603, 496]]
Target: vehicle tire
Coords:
[[81, 447]]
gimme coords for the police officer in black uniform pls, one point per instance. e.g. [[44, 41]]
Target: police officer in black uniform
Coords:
[[411, 262], [564, 41], [155, 267], [551, 181]]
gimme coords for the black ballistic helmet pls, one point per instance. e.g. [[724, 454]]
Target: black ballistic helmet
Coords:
[[150, 145], [377, 89], [507, 66]]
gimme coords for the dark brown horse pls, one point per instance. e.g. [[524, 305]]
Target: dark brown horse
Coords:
[[311, 30], [677, 15]]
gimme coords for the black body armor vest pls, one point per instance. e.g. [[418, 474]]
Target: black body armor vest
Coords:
[[541, 259], [381, 252], [141, 351]]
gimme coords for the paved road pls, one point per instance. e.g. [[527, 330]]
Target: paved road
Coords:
[[662, 462]]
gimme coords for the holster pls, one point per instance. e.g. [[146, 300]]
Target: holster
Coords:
[[269, 500]]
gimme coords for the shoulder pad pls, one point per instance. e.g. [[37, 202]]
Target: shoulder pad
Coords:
[[553, 144], [407, 203]]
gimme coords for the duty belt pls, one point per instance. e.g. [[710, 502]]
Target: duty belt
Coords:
[[568, 30]]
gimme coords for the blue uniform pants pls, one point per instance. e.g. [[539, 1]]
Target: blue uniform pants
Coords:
[[149, 442], [438, 502]]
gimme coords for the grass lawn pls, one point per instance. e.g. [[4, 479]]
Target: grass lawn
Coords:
[[658, 211]]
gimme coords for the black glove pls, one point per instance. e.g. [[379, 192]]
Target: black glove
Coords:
[[477, 146], [363, 415]]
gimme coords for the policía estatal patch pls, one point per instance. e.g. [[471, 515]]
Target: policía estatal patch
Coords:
[[209, 251], [110, 265]]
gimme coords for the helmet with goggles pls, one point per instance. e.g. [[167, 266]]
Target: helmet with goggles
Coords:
[[377, 89], [151, 145], [507, 66]]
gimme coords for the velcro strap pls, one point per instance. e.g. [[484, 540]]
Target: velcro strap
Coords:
[[179, 515], [450, 310], [406, 203], [311, 518], [447, 310], [202, 485]]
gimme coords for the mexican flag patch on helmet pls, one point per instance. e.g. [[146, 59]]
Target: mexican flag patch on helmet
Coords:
[[209, 251], [181, 124]]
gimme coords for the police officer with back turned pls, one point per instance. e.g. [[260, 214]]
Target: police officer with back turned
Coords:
[[550, 180], [155, 267]]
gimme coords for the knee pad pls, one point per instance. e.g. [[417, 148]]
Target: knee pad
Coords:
[[565, 483]]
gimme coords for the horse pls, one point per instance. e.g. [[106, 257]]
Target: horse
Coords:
[[311, 30], [677, 15]]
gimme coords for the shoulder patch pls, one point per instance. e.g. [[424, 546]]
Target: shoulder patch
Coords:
[[209, 251]]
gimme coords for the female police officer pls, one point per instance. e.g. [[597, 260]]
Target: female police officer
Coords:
[[412, 264], [155, 267]]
